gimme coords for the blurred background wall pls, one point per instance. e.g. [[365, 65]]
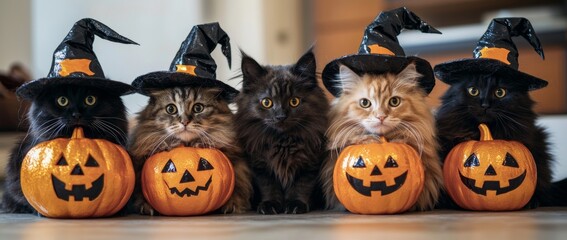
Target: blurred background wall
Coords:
[[280, 31]]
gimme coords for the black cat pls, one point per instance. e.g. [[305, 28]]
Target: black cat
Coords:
[[281, 121], [506, 107], [54, 114]]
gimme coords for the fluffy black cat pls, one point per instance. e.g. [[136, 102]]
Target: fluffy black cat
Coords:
[[281, 122], [54, 114], [506, 107]]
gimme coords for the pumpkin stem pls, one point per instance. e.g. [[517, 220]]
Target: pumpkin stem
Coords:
[[78, 133], [485, 134], [383, 139]]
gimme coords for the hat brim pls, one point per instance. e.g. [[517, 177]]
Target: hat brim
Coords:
[[453, 72], [32, 89], [147, 83], [376, 64]]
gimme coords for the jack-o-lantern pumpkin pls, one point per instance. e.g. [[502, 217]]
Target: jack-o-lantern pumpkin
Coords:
[[378, 178], [77, 177], [494, 175], [187, 181]]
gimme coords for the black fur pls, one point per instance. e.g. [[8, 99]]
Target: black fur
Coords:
[[285, 145], [106, 119], [510, 118]]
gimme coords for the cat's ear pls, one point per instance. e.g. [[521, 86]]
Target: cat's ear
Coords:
[[306, 66], [409, 74], [251, 70], [348, 79]]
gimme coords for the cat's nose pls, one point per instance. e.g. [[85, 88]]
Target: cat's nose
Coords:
[[185, 122], [280, 118], [76, 115], [381, 118]]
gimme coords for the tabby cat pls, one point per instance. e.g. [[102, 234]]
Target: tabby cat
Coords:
[[192, 117]]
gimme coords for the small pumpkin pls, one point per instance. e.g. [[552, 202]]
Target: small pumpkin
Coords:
[[378, 178], [187, 181], [77, 177], [493, 175]]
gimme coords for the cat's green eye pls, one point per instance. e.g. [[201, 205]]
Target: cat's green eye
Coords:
[[90, 100], [198, 107], [365, 103], [62, 101], [267, 103], [473, 91], [171, 109], [500, 92], [394, 101], [294, 102]]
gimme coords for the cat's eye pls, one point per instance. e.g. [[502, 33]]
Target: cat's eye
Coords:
[[364, 103], [62, 101], [90, 100], [500, 92], [171, 109], [198, 107], [394, 101], [267, 103], [473, 91], [294, 102]]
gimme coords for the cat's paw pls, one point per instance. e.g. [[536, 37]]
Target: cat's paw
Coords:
[[296, 207], [143, 208], [233, 207], [269, 207]]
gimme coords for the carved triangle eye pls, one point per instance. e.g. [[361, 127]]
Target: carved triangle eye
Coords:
[[169, 167], [472, 161], [91, 162], [359, 163], [204, 165], [510, 161], [391, 163], [62, 162]]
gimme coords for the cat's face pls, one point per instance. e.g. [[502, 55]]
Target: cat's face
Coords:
[[489, 99], [57, 111], [281, 97], [379, 103], [187, 114]]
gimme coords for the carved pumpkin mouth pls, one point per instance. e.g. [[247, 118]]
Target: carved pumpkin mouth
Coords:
[[381, 186], [188, 192], [78, 191], [493, 185]]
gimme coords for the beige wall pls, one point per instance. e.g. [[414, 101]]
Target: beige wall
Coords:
[[15, 33]]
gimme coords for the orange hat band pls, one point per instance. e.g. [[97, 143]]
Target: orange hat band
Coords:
[[68, 66], [377, 49], [189, 69], [500, 54]]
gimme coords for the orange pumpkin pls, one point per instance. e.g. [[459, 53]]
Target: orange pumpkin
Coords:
[[378, 178], [494, 175], [77, 177], [187, 181]]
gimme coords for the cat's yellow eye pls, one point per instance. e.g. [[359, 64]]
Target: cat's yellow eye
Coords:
[[267, 103], [500, 92], [365, 103], [198, 107], [473, 91], [90, 100], [171, 109], [294, 102], [62, 101], [394, 101]]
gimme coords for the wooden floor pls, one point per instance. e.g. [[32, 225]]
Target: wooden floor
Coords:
[[542, 223]]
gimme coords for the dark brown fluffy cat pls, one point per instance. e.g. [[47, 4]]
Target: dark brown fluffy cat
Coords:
[[191, 117], [392, 105]]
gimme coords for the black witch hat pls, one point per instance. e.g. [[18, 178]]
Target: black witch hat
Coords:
[[380, 52], [75, 63], [193, 66], [496, 53]]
